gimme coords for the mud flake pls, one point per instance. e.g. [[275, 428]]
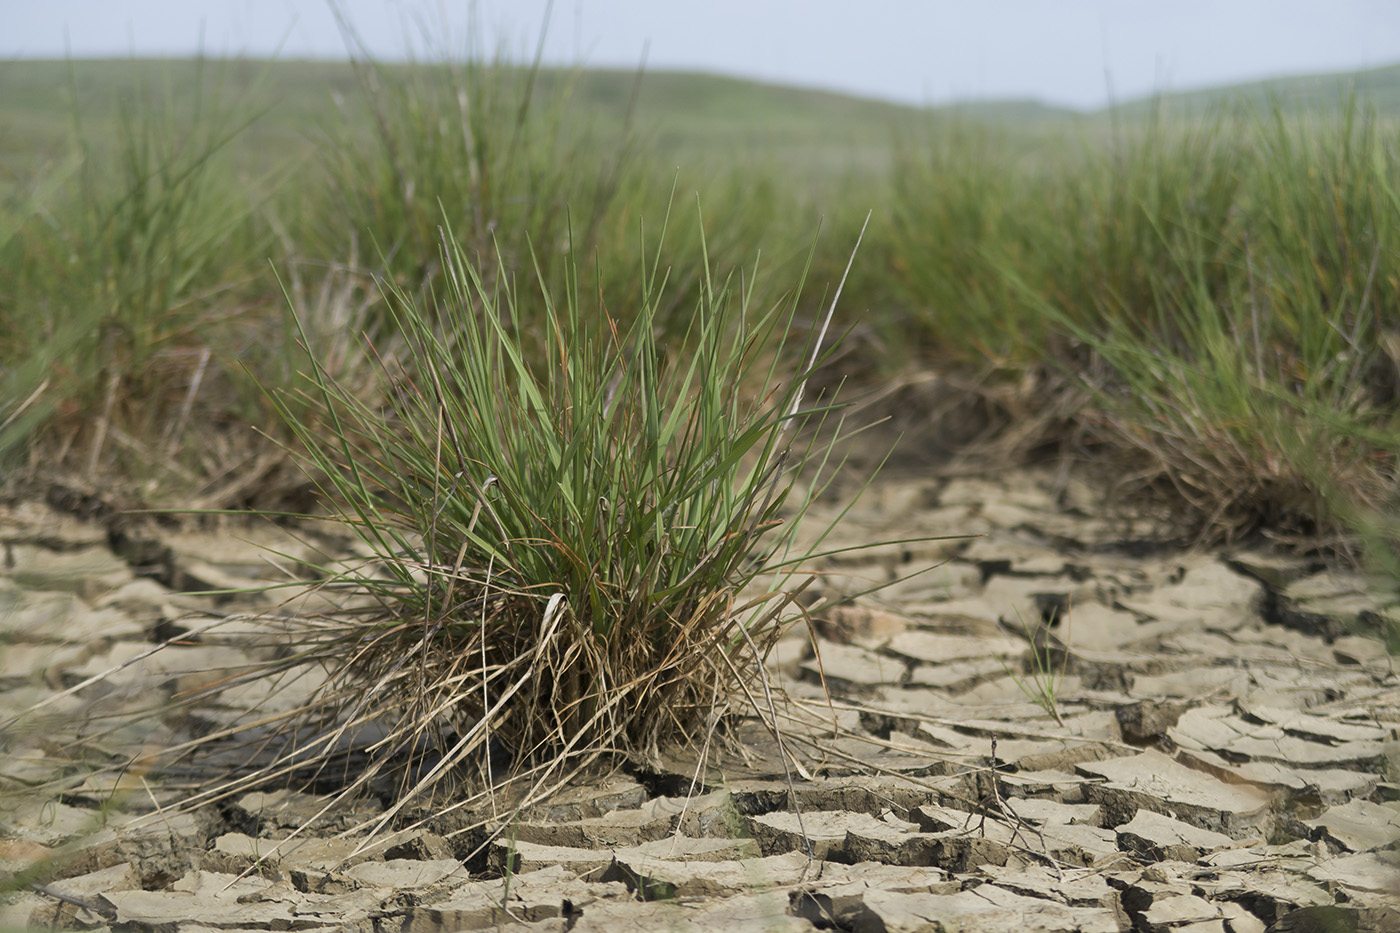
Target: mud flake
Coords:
[[986, 908], [1359, 825], [916, 588], [1104, 627], [1049, 754], [286, 810], [43, 616], [473, 906], [1041, 811], [852, 668], [1153, 781], [1159, 837], [1315, 728], [1180, 910], [528, 857], [744, 913], [1148, 720], [657, 879], [1208, 592], [35, 522], [1330, 785], [1022, 555], [509, 855], [1219, 730], [407, 874], [1077, 888], [88, 572], [861, 624], [1271, 893], [835, 893], [965, 615], [38, 663], [216, 900], [1060, 785], [1329, 604], [555, 894], [1072, 843], [825, 830], [855, 754], [687, 849], [618, 828], [938, 648], [1272, 568], [956, 676], [1367, 653], [1193, 682], [860, 793]]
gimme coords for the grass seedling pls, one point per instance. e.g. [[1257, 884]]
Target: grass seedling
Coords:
[[1041, 683]]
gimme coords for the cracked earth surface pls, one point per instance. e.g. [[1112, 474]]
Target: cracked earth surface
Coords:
[[1220, 757]]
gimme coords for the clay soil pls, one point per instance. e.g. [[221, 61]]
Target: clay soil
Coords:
[[1212, 747]]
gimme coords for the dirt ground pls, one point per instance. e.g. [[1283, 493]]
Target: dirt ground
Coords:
[[1214, 748]]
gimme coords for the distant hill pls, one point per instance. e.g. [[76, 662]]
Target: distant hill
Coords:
[[1322, 93], [696, 114], [691, 115]]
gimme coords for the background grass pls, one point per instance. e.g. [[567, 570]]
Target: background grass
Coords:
[[1198, 291]]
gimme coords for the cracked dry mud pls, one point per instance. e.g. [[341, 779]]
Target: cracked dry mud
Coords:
[[1224, 758]]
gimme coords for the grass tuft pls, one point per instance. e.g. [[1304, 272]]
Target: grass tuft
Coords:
[[580, 537]]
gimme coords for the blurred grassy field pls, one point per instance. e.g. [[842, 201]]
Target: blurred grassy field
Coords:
[[1199, 292], [689, 117]]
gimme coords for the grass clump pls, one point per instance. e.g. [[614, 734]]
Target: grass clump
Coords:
[[126, 270], [580, 537], [1209, 299], [1257, 379]]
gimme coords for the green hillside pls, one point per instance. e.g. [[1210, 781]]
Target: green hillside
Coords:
[[689, 115], [1378, 87], [292, 103]]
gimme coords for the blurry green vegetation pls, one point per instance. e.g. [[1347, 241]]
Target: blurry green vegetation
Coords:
[[1206, 285], [688, 118], [125, 265], [1224, 294]]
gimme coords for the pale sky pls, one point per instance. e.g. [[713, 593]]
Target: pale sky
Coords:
[[1078, 53]]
